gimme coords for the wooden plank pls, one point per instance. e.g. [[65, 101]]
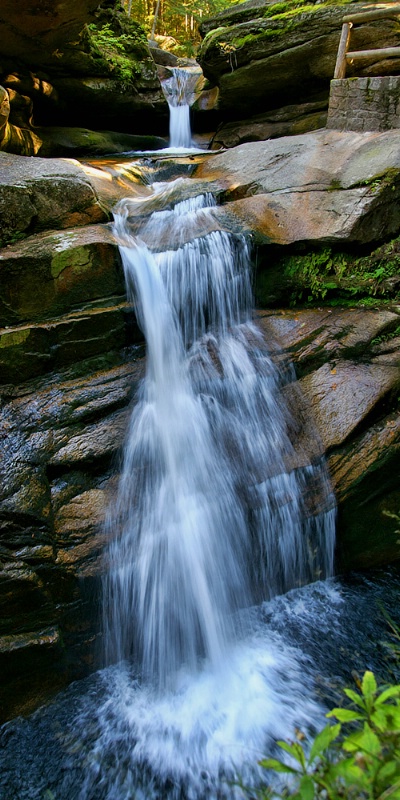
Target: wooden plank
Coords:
[[377, 55], [340, 68], [370, 16]]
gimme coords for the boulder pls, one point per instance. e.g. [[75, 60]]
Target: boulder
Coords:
[[38, 194], [287, 121], [326, 186]]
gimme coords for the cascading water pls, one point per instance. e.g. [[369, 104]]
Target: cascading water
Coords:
[[179, 91], [213, 513], [218, 507], [209, 516]]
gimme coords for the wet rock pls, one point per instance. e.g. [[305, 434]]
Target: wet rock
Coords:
[[313, 336], [36, 194], [365, 474], [350, 363], [316, 187], [50, 274], [342, 395], [59, 439]]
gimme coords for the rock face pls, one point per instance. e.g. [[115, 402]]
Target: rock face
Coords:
[[265, 55], [324, 186], [348, 363], [71, 357], [60, 63], [64, 327]]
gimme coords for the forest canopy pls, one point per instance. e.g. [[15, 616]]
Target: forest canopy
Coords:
[[175, 18]]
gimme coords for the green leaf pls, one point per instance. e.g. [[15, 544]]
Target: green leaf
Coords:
[[295, 750], [369, 685], [388, 771], [350, 772], [392, 691], [323, 740], [366, 740], [381, 719], [277, 766], [306, 788], [355, 697], [345, 714]]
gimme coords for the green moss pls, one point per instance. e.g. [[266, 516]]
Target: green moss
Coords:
[[262, 35], [14, 338], [76, 259], [368, 279], [383, 180], [12, 238]]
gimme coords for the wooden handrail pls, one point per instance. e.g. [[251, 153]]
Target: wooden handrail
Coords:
[[344, 55], [370, 16], [382, 53]]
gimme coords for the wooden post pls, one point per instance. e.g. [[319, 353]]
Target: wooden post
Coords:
[[340, 68]]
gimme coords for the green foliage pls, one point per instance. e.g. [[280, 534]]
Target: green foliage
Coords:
[[358, 758], [314, 273], [177, 18], [113, 48], [364, 279]]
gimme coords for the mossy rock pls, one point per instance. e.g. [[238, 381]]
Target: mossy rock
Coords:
[[270, 54]]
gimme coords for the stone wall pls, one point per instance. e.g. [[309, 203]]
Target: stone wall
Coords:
[[365, 104]]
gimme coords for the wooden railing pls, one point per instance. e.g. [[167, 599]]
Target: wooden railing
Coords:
[[345, 55]]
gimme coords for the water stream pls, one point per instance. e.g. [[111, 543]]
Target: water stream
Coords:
[[179, 91]]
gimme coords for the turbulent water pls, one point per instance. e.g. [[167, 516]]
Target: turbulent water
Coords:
[[110, 737]]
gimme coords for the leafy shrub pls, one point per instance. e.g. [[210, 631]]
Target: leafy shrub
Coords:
[[358, 758]]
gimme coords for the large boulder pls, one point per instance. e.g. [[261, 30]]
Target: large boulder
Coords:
[[264, 55], [326, 186]]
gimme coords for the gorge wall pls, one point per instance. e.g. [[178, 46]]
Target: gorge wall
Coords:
[[80, 66]]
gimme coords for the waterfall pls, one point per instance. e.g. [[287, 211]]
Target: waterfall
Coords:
[[179, 91], [213, 509]]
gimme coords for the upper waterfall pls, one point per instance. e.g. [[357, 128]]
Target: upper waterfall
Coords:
[[179, 90]]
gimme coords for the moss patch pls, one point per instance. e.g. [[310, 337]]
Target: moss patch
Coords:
[[324, 272], [77, 259]]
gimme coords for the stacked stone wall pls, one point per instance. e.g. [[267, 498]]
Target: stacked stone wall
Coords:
[[365, 104]]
